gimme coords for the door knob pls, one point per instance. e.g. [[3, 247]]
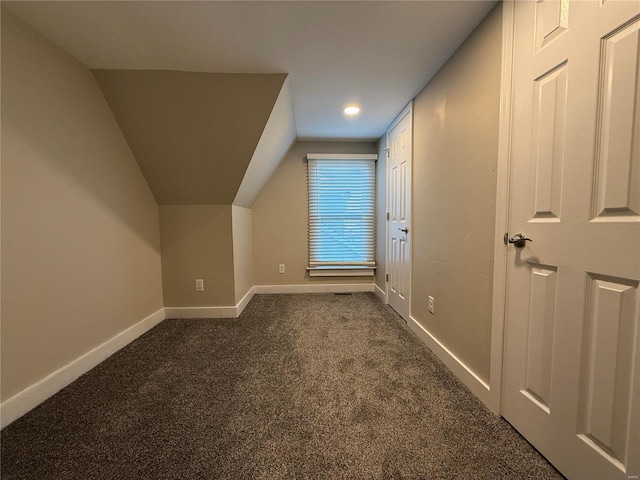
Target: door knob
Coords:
[[519, 240], [405, 230]]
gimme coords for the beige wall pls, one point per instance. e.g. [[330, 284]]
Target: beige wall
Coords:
[[242, 225], [280, 218], [197, 243], [80, 235], [454, 188]]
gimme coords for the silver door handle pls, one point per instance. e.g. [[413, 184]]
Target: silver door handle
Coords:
[[519, 240], [405, 230]]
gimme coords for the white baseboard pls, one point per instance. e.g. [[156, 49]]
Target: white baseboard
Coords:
[[380, 293], [245, 301], [315, 288], [201, 312], [231, 311], [465, 374], [16, 406]]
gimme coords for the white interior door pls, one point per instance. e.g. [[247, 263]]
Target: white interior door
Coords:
[[572, 336], [399, 150]]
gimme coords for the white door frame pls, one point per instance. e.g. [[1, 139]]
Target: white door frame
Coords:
[[502, 208], [408, 110]]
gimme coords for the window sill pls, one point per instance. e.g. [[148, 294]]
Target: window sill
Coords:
[[341, 271]]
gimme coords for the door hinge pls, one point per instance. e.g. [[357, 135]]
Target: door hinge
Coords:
[[387, 216], [388, 152], [386, 277]]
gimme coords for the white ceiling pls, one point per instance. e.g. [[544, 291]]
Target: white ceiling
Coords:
[[377, 54]]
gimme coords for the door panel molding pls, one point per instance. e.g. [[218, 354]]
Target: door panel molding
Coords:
[[540, 328], [617, 152], [552, 20], [609, 351], [550, 100]]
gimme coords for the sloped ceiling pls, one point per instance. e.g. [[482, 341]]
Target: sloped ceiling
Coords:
[[193, 134]]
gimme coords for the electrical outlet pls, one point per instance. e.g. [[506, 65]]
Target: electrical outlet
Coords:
[[281, 268], [199, 285], [432, 305]]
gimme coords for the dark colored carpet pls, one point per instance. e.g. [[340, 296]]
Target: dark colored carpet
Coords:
[[300, 386]]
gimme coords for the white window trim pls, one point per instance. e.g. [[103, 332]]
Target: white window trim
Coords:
[[345, 271], [342, 270], [342, 156]]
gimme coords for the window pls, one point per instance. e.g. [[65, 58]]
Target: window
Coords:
[[341, 214]]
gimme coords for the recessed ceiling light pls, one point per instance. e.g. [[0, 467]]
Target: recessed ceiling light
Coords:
[[351, 110]]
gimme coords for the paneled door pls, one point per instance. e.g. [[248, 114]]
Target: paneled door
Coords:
[[572, 336], [399, 148]]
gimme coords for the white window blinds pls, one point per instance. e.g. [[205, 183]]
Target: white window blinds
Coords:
[[341, 210]]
